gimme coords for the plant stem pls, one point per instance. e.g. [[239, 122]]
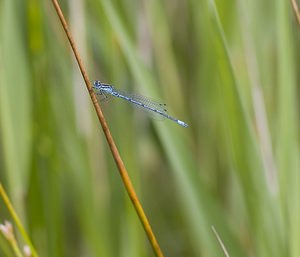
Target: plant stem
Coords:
[[121, 167], [17, 220], [296, 10]]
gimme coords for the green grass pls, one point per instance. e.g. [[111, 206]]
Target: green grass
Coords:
[[228, 69]]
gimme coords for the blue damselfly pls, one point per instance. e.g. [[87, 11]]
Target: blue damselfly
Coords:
[[137, 100]]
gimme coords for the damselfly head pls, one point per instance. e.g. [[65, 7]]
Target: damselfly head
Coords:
[[97, 84]]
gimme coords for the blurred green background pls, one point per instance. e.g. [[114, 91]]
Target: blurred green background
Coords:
[[227, 68]]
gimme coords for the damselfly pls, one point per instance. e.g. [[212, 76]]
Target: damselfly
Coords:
[[139, 101]]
